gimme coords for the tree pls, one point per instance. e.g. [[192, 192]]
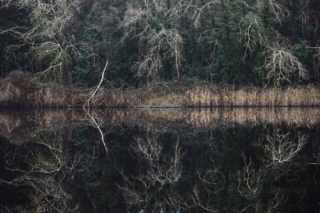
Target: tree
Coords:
[[49, 40], [158, 37]]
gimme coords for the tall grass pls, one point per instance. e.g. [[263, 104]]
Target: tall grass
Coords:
[[252, 97], [16, 90], [211, 96]]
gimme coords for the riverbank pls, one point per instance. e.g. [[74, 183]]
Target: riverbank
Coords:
[[18, 90]]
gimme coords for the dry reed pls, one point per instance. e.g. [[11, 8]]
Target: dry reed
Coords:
[[14, 88], [252, 97], [18, 90], [210, 96]]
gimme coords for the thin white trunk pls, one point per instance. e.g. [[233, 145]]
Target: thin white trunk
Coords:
[[102, 77]]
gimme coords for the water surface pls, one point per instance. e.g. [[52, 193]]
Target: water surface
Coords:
[[199, 160]]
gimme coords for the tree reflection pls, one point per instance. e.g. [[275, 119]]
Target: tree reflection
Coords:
[[247, 182], [46, 171], [157, 171], [251, 176], [232, 169], [281, 148]]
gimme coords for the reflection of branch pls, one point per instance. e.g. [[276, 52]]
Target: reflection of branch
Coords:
[[43, 139], [282, 149], [155, 170], [98, 127], [48, 172], [176, 201], [196, 200], [50, 147], [149, 148], [275, 202], [251, 177], [317, 158]]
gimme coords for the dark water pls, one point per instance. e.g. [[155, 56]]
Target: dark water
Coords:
[[221, 160]]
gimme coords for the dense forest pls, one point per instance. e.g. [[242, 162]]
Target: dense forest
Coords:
[[226, 42]]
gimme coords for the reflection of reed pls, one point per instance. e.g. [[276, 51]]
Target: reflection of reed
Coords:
[[253, 116], [218, 116], [18, 124]]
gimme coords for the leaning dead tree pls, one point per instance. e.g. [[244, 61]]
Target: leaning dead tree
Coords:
[[98, 87]]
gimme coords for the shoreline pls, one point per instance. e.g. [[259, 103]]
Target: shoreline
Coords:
[[132, 107], [180, 107]]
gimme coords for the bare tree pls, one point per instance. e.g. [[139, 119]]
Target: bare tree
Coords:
[[282, 64], [275, 6], [50, 21], [252, 33], [156, 41]]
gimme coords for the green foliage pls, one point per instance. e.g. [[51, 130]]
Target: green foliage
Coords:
[[302, 51], [223, 42]]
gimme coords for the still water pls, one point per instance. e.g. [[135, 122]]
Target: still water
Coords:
[[218, 160]]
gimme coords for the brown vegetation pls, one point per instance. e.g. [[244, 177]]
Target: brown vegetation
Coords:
[[15, 88], [18, 90], [207, 96]]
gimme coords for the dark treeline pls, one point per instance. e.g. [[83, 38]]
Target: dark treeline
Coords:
[[248, 42]]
